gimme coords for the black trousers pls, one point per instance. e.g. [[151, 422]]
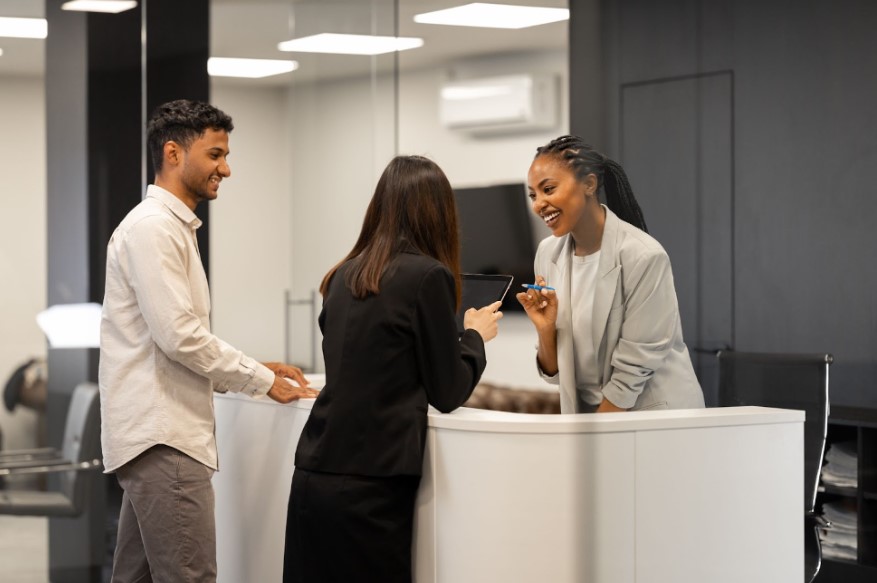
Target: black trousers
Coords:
[[349, 529]]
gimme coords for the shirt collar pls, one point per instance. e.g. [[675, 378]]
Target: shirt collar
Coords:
[[175, 205]]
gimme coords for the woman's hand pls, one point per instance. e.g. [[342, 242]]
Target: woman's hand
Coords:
[[540, 305], [606, 406], [484, 320]]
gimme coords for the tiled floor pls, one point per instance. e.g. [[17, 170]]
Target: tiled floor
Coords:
[[24, 549]]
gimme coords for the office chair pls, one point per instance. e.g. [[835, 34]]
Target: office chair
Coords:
[[74, 463], [786, 381]]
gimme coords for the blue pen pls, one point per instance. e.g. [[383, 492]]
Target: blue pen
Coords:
[[536, 287]]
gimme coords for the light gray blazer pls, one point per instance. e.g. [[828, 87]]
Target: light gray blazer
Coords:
[[642, 359]]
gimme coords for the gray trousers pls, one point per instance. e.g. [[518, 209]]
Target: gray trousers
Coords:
[[167, 527]]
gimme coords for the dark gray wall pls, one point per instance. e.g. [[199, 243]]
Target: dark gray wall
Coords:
[[748, 129]]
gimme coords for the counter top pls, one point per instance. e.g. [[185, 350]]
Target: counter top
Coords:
[[481, 420]]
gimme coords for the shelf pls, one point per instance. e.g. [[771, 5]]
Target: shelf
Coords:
[[860, 427], [853, 416], [838, 491], [840, 571]]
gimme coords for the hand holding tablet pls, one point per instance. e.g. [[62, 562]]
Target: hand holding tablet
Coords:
[[480, 291]]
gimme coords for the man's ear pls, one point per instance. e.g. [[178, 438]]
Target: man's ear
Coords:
[[173, 153]]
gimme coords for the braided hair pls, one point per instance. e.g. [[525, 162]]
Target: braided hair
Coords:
[[583, 160]]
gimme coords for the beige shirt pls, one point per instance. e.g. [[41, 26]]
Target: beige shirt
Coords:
[[159, 362]]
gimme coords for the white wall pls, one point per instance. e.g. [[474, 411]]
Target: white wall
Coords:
[[249, 224], [470, 160], [22, 239], [341, 135]]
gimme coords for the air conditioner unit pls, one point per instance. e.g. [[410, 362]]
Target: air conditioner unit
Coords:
[[513, 103]]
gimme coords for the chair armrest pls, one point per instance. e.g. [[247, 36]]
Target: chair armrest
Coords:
[[94, 464], [19, 454], [29, 463]]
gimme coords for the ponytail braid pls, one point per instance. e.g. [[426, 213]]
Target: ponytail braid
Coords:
[[583, 160], [619, 196]]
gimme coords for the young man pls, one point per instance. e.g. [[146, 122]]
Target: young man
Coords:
[[160, 364]]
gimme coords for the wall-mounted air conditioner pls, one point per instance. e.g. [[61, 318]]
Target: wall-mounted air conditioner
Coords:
[[526, 102]]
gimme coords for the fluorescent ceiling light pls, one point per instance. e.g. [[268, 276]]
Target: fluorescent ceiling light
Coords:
[[23, 27], [110, 6], [494, 16], [249, 68], [350, 44]]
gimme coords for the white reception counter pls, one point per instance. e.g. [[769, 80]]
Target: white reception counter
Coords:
[[648, 497]]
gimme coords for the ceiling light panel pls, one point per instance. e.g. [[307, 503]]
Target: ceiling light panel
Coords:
[[108, 6], [350, 44], [248, 68], [23, 27], [483, 15]]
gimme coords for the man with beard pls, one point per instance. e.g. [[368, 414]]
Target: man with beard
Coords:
[[160, 364]]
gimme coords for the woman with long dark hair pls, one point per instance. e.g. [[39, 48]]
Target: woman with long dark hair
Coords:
[[607, 317], [391, 347]]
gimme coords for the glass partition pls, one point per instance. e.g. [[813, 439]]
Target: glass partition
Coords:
[[310, 144]]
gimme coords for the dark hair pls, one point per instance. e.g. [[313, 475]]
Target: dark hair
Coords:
[[182, 121], [413, 205], [583, 160]]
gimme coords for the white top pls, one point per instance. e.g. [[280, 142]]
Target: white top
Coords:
[[583, 286], [159, 362]]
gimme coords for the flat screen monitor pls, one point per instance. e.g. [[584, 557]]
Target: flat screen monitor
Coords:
[[496, 234]]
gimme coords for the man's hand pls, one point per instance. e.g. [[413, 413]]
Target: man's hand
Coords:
[[287, 370], [284, 391]]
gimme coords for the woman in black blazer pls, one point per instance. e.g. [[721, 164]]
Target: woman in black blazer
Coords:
[[391, 347]]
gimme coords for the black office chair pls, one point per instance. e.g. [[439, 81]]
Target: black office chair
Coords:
[[786, 381], [75, 463]]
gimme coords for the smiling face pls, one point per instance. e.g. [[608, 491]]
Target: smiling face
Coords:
[[557, 196], [203, 166]]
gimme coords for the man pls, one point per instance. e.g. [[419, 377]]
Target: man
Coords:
[[160, 363]]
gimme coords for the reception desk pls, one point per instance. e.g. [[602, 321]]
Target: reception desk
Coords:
[[664, 496]]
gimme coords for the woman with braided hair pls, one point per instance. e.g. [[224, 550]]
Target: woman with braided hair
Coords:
[[604, 306]]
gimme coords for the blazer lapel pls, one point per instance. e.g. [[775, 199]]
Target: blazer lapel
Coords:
[[608, 274]]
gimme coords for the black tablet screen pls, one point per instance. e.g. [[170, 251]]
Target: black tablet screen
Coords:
[[481, 290]]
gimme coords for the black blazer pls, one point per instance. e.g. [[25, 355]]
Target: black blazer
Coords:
[[387, 356]]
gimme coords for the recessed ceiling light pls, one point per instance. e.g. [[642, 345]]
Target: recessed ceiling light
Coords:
[[494, 16], [1, 52], [350, 44], [249, 68], [109, 6], [23, 27]]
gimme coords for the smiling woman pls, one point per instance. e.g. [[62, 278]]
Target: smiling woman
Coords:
[[609, 332]]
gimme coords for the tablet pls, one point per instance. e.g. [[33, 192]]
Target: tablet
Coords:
[[481, 290]]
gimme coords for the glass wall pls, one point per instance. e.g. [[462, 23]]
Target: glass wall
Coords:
[[309, 145]]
